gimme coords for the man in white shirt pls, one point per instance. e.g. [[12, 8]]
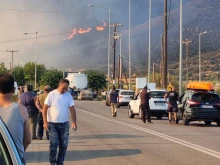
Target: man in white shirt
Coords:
[[55, 116]]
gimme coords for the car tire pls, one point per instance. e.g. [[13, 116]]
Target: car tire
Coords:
[[159, 117], [218, 123], [177, 121], [130, 113], [118, 106], [185, 120], [208, 122]]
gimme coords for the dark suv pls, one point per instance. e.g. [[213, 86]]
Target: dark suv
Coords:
[[200, 106]]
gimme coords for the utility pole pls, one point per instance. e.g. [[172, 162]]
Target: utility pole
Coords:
[[116, 37], [161, 73], [187, 42], [120, 62], [153, 71], [12, 58], [162, 61], [119, 71], [165, 46]]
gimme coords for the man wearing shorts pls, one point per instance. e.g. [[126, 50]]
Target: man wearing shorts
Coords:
[[173, 97]]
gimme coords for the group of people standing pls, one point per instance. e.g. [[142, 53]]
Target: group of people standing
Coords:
[[170, 98], [49, 110]]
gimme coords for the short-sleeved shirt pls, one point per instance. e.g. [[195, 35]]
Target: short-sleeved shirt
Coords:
[[59, 105], [114, 97], [145, 96], [173, 97]]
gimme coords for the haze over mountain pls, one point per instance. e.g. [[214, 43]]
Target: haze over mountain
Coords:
[[55, 21]]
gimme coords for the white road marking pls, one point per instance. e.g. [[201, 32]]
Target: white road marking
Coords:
[[164, 136]]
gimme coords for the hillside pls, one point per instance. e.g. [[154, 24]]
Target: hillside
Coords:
[[199, 16]]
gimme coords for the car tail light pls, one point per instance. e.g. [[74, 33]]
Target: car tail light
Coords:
[[217, 104], [190, 102], [121, 97]]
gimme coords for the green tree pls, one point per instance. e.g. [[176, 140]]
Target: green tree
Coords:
[[51, 77], [18, 73], [3, 69], [29, 72], [96, 79]]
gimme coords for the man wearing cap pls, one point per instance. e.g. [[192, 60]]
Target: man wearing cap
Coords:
[[145, 108], [40, 103]]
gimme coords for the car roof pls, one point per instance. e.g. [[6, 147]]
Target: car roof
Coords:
[[162, 90], [126, 90]]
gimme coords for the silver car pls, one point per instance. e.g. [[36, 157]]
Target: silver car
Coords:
[[8, 152]]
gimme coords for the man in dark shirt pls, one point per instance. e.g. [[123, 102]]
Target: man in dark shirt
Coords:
[[173, 97], [114, 102], [145, 108]]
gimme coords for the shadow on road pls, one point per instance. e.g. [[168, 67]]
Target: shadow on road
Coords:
[[84, 154]]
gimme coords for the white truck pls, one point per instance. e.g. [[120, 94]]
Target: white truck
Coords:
[[78, 81]]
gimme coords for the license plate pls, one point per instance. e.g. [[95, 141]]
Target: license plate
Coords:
[[207, 106], [160, 104]]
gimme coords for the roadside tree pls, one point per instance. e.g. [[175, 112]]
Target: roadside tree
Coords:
[[29, 72], [96, 79], [18, 73], [51, 77], [3, 69]]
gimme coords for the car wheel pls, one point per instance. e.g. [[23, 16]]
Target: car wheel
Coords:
[[177, 121], [185, 120], [130, 114], [118, 106], [218, 123], [159, 117], [208, 122]]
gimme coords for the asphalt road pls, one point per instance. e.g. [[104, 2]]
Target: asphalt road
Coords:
[[104, 140]]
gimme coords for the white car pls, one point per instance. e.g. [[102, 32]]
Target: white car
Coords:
[[158, 106], [123, 95]]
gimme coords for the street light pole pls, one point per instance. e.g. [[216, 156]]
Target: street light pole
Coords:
[[109, 44], [149, 48], [181, 47], [129, 43], [35, 67], [109, 38], [200, 54]]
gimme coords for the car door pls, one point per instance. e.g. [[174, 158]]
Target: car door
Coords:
[[182, 101], [8, 152], [137, 102]]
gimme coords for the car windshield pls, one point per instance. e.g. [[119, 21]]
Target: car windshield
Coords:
[[127, 93], [205, 97], [87, 91], [157, 94]]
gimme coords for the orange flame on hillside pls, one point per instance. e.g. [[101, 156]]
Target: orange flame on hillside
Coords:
[[101, 28], [79, 31]]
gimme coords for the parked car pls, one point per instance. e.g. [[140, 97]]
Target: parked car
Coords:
[[158, 106], [85, 95], [123, 95], [200, 105], [8, 151]]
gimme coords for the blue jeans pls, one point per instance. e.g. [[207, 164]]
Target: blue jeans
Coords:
[[59, 136]]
